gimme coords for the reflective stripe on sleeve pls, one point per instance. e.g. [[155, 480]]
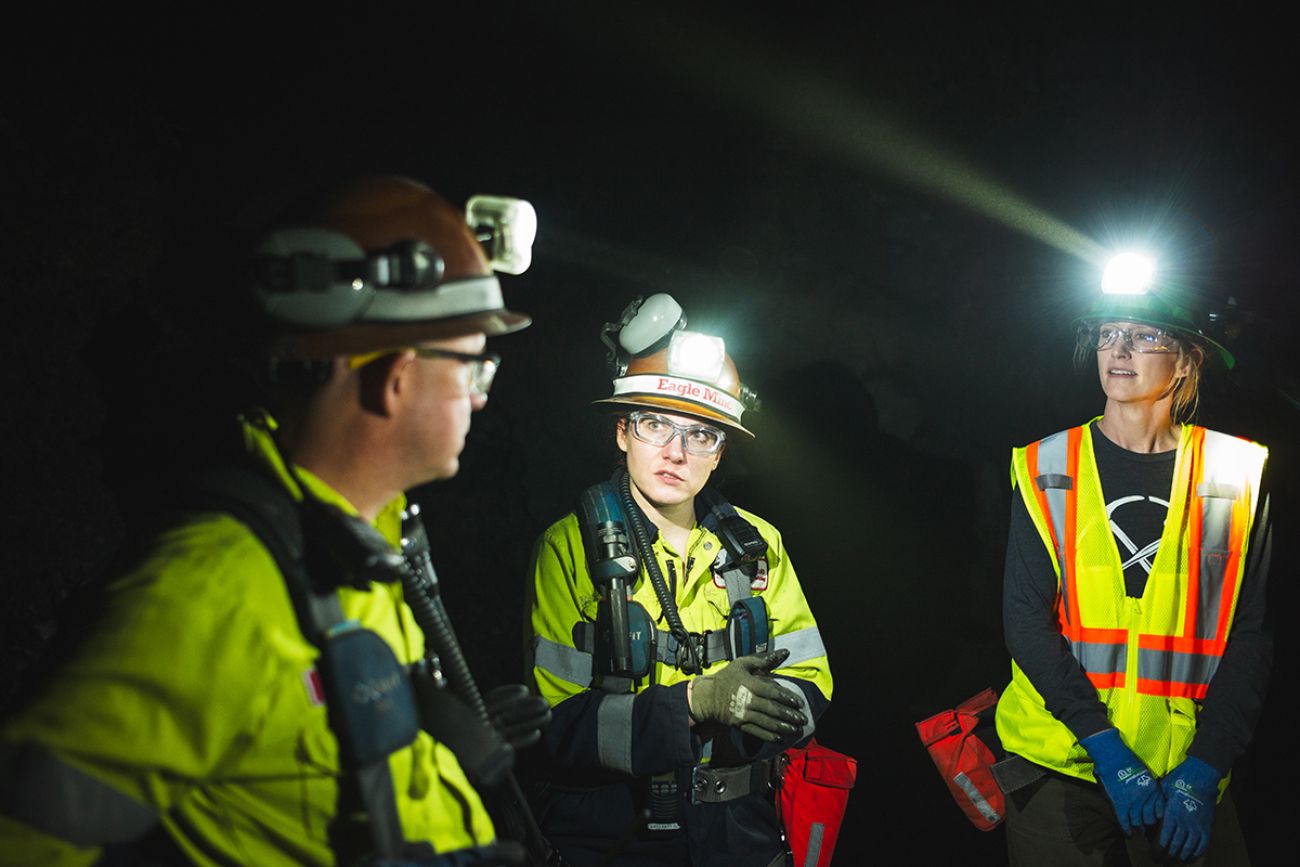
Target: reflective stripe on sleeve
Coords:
[[803, 644], [41, 789], [614, 732], [789, 685], [566, 663]]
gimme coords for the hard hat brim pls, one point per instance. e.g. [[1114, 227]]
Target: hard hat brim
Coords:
[[363, 337], [673, 405], [1150, 309]]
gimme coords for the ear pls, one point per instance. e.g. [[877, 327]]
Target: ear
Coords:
[[620, 434], [1189, 359], [386, 382]]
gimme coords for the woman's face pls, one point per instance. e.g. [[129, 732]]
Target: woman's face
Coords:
[[1129, 376], [666, 475]]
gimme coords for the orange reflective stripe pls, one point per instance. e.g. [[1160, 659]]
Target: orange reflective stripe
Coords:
[[1197, 447], [1097, 635], [1171, 689], [1071, 517], [1181, 644], [1106, 679]]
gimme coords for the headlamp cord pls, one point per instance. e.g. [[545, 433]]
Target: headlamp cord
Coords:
[[646, 554], [420, 587]]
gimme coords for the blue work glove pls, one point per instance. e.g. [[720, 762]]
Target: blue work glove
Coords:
[[1132, 789], [1191, 790]]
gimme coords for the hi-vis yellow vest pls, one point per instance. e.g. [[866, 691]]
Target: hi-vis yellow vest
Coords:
[[1151, 659]]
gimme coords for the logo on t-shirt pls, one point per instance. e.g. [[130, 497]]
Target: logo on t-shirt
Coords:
[[1143, 516]]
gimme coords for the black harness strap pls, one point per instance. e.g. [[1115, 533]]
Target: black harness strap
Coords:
[[277, 520]]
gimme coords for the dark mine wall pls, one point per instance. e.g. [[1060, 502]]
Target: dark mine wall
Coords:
[[902, 339]]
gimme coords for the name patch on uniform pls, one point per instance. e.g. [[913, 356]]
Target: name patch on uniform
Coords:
[[315, 688]]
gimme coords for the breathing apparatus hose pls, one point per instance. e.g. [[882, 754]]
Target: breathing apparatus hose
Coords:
[[420, 586], [646, 554]]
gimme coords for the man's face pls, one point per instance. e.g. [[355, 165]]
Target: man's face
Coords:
[[438, 416], [666, 475]]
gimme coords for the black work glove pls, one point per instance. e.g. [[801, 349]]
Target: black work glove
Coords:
[[746, 696], [517, 714]]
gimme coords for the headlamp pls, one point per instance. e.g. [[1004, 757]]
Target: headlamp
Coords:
[[1128, 274], [507, 228], [653, 320], [696, 356]]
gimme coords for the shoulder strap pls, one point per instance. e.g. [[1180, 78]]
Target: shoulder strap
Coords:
[[278, 522], [742, 544]]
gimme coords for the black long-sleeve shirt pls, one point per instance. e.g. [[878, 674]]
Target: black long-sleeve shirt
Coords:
[[1134, 487]]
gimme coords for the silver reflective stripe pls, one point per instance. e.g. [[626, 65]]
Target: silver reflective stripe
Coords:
[[1171, 665], [803, 644], [789, 685], [1100, 658], [563, 661], [815, 835], [1053, 461], [985, 808], [614, 732], [40, 789]]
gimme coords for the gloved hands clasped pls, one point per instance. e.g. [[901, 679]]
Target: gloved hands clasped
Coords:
[[1191, 791], [745, 695], [1128, 782], [517, 714]]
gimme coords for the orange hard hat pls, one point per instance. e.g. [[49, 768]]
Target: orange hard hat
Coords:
[[384, 262]]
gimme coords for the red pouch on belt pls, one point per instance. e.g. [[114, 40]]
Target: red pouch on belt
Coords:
[[964, 746], [814, 794]]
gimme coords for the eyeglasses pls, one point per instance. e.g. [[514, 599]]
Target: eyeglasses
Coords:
[[482, 367], [655, 430], [1139, 338]]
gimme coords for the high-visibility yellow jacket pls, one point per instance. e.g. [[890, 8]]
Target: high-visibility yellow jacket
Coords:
[[1151, 659], [194, 700], [564, 595]]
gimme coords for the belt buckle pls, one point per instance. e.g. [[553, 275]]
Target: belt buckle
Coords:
[[684, 662]]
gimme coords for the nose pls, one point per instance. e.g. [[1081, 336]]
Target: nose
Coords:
[[477, 400], [675, 448]]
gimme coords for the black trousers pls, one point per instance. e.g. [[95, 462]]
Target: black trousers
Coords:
[[1063, 821]]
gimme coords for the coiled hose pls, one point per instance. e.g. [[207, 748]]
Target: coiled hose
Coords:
[[646, 554], [420, 586]]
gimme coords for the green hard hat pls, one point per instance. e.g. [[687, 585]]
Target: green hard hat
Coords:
[[1153, 308]]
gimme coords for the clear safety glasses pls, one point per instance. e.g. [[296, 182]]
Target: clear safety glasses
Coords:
[[1139, 338], [482, 367], [697, 439]]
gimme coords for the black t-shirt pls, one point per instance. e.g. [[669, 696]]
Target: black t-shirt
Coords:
[[1136, 490], [1236, 694]]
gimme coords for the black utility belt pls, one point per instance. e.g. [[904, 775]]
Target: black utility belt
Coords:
[[711, 785], [713, 646]]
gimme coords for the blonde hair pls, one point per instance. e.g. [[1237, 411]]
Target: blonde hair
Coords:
[[1187, 389]]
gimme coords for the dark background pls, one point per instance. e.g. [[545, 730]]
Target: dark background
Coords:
[[833, 192]]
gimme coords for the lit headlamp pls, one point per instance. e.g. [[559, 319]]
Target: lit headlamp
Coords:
[[696, 356], [507, 228], [1128, 274]]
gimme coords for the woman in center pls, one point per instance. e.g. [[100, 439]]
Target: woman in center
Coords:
[[669, 631]]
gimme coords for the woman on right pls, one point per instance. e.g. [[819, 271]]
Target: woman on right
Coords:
[[1134, 609]]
